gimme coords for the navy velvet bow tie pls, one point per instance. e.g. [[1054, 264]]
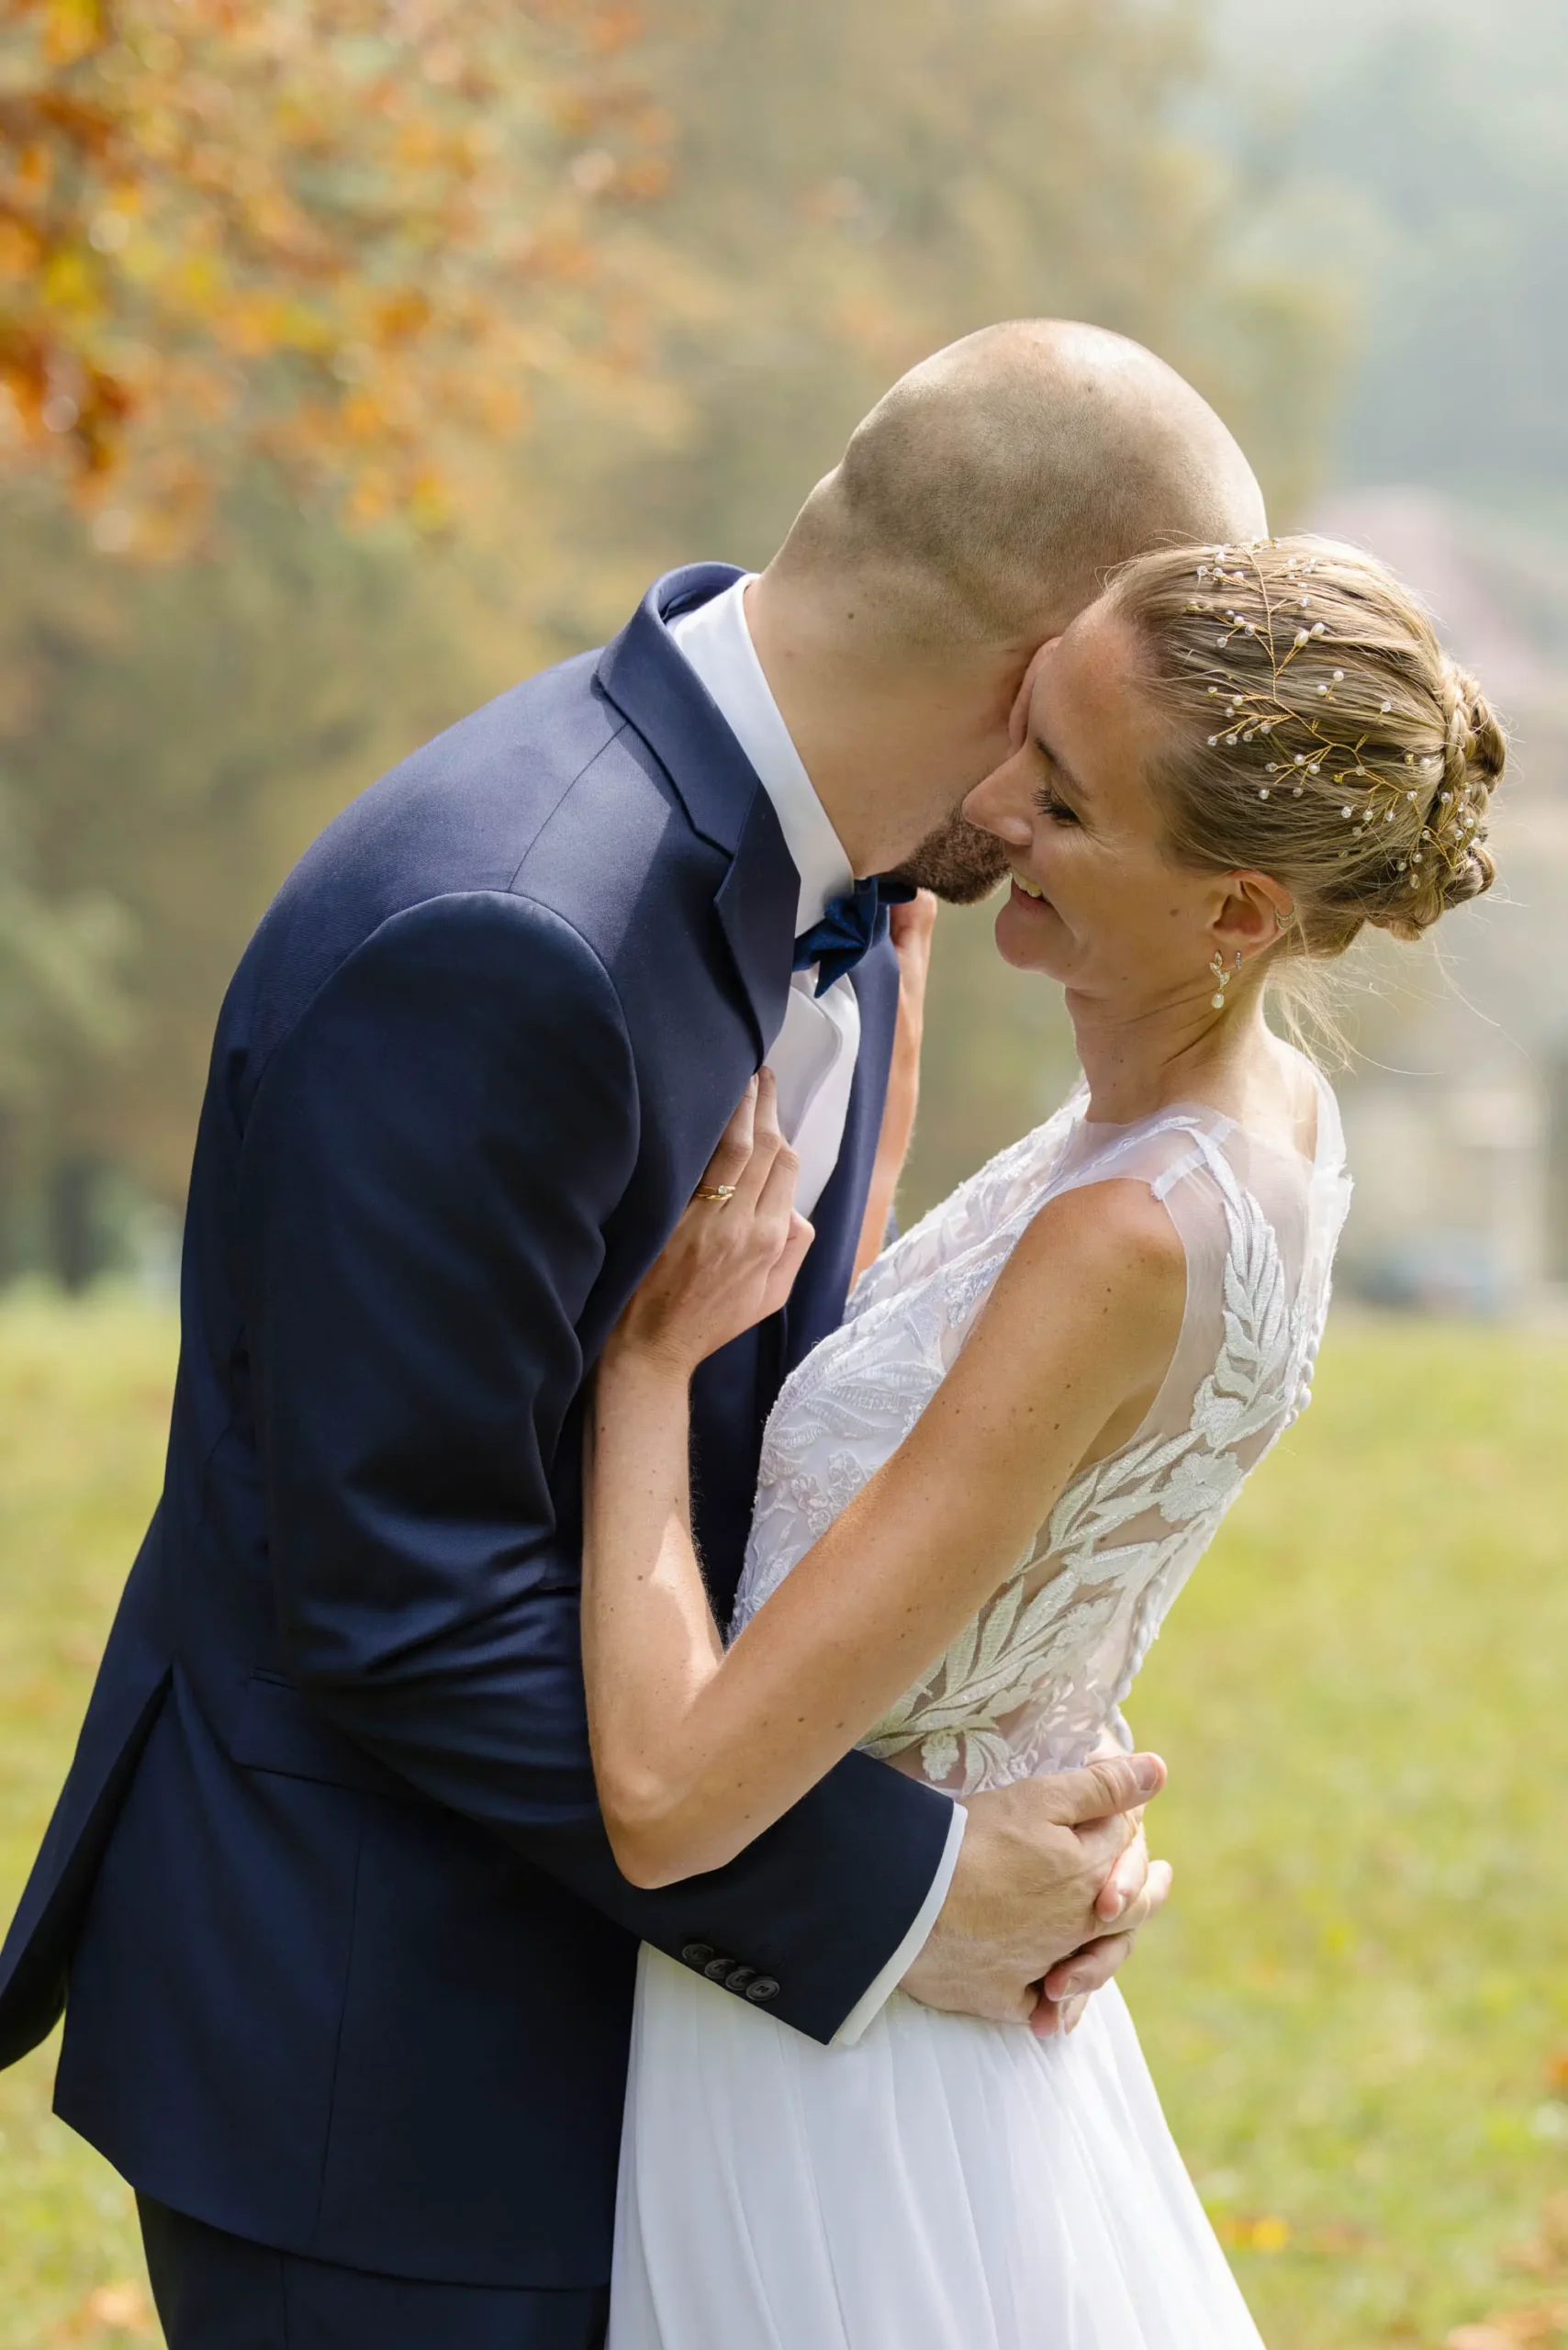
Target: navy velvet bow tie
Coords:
[[850, 927]]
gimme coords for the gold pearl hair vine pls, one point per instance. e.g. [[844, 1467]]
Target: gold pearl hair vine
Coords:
[[1285, 632]]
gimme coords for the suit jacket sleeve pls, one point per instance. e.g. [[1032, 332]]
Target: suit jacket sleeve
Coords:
[[427, 1170]]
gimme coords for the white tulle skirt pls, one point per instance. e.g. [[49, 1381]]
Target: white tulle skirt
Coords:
[[948, 2185]]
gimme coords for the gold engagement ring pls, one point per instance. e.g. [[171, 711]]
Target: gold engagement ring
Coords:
[[722, 1192]]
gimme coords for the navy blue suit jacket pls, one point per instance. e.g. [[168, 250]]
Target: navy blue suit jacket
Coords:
[[349, 1963]]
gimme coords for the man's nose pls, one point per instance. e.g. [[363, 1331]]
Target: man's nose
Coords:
[[993, 807]]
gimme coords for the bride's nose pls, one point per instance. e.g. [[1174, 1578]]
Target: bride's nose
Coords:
[[1001, 807]]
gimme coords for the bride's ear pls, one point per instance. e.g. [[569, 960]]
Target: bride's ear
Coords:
[[1254, 910], [1018, 719]]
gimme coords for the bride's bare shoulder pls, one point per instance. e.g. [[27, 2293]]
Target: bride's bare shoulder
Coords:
[[1105, 1256], [1114, 1224]]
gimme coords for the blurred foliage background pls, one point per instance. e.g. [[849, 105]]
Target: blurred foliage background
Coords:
[[358, 357], [754, 220]]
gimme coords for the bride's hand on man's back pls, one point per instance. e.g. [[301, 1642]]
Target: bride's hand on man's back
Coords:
[[732, 1260]]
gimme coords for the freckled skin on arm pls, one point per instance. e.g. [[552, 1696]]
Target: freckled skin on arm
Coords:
[[698, 1750]]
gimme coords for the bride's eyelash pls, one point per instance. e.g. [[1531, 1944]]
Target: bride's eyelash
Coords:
[[1058, 809]]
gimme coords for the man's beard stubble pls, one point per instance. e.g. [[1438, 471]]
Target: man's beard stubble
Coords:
[[957, 862]]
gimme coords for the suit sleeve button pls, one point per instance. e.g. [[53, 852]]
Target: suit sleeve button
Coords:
[[738, 1977], [762, 1987], [697, 1953], [717, 1968]]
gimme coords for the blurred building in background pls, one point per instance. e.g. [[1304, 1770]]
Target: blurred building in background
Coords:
[[1457, 1101]]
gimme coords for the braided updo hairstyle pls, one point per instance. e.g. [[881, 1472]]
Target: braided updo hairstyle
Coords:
[[1320, 734]]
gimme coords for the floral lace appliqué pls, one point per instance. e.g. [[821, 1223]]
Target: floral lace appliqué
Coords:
[[1034, 1680]]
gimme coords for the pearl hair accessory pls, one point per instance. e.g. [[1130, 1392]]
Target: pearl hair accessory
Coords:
[[1305, 749]]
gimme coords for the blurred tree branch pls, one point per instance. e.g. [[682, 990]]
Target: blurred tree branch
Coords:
[[367, 242], [65, 1012], [61, 987], [341, 234]]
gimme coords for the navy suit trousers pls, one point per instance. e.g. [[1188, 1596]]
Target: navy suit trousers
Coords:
[[217, 2292]]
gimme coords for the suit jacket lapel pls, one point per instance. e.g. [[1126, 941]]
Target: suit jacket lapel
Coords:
[[642, 671], [756, 904]]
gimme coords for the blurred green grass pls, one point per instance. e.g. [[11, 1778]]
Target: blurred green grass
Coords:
[[83, 1415], [1357, 2006]]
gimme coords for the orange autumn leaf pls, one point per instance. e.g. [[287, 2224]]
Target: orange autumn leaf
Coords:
[[1539, 2327], [1536, 2257], [121, 2307], [110, 2311], [1265, 2231], [71, 28]]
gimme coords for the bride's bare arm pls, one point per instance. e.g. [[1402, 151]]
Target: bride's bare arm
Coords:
[[697, 1750]]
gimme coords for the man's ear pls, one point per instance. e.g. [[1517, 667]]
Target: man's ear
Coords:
[[1018, 718]]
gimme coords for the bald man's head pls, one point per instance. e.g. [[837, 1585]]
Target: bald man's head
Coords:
[[986, 497]]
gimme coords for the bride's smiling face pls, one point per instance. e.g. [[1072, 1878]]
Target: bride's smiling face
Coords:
[[1097, 901]]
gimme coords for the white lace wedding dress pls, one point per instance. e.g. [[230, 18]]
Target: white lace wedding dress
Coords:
[[948, 2184]]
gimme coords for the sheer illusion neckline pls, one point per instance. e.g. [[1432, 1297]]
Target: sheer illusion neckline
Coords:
[[1220, 1123]]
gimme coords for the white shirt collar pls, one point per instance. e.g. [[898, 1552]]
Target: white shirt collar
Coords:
[[717, 641]]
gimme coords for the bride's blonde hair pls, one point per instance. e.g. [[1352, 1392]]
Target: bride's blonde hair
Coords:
[[1319, 733]]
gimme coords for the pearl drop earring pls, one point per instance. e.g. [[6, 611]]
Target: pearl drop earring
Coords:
[[1222, 978]]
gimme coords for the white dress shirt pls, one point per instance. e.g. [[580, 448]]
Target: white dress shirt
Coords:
[[814, 1053]]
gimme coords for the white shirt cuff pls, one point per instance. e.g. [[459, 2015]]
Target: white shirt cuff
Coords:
[[871, 2002]]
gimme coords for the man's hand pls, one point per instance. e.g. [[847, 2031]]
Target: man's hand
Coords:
[[1066, 1990], [1053, 1881]]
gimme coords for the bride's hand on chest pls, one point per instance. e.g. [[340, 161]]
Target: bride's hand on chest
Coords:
[[732, 1260]]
